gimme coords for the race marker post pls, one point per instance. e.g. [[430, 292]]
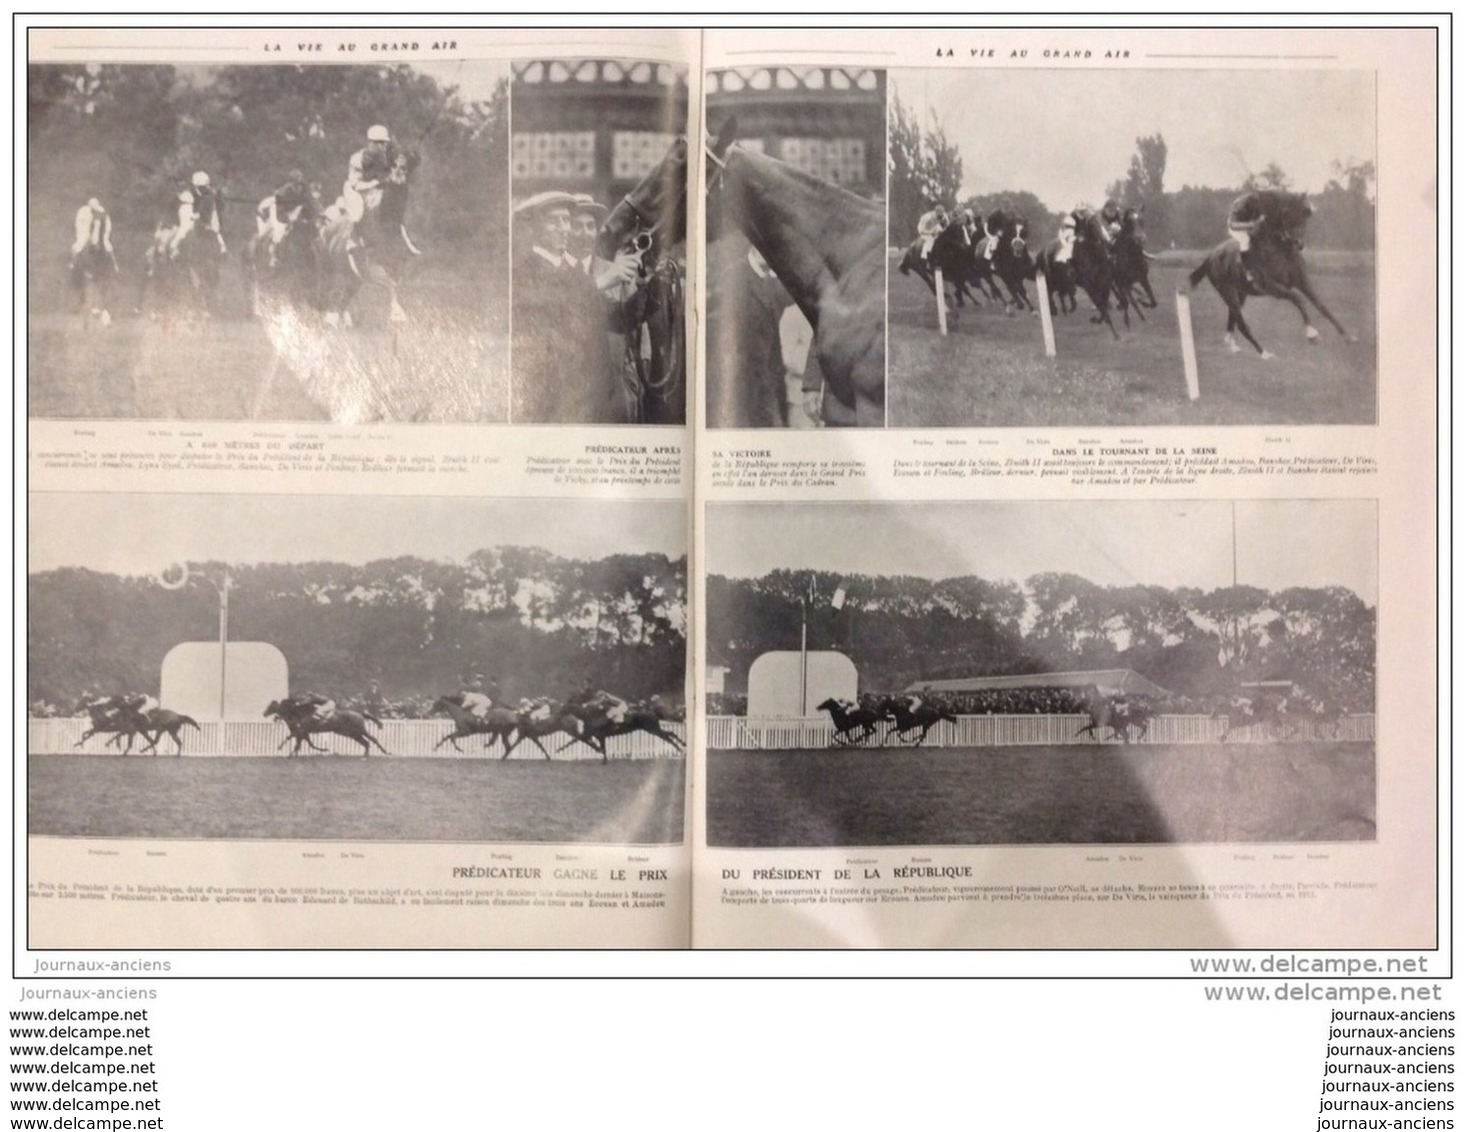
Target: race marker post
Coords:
[[941, 300], [1187, 344], [1050, 344]]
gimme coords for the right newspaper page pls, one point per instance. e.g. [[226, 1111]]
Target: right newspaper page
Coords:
[[1065, 532]]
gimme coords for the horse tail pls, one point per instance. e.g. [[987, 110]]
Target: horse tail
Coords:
[[188, 719], [374, 719]]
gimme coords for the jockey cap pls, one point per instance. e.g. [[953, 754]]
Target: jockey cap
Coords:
[[378, 134], [186, 197], [200, 179], [295, 175], [584, 202], [543, 202], [95, 205]]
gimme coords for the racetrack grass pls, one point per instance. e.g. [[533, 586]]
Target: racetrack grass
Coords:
[[1235, 794], [346, 798], [990, 370], [448, 363]]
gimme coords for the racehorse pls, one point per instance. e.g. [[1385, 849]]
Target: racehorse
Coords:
[[923, 716], [497, 723], [290, 270], [1118, 715], [846, 720], [1267, 714], [1278, 272], [1011, 261], [827, 246], [123, 724], [597, 727], [1132, 262], [953, 255], [377, 252], [300, 719], [162, 722], [1062, 288], [92, 274], [1093, 268], [650, 220], [561, 720], [200, 259]]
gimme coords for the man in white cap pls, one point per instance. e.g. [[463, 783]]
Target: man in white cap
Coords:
[[561, 353], [199, 205], [93, 230]]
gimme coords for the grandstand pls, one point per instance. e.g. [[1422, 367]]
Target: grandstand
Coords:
[[1109, 681]]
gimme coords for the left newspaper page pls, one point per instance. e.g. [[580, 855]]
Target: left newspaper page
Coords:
[[358, 514]]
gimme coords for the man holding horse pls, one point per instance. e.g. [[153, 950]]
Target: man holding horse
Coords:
[[563, 370]]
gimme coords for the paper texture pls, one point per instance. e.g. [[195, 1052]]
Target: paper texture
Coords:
[[846, 433]]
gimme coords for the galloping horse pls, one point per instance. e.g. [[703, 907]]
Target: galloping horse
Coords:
[[953, 255], [1277, 272], [1093, 268], [289, 270], [93, 272], [497, 723], [561, 720], [1062, 287], [1132, 262], [597, 727], [923, 716], [300, 719], [651, 219], [827, 246], [377, 253], [1118, 715], [847, 720], [125, 724], [1011, 261]]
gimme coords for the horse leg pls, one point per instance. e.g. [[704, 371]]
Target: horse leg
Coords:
[[85, 735]]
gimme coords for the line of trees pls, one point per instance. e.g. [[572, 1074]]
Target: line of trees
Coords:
[[537, 623], [133, 135], [901, 630], [926, 169]]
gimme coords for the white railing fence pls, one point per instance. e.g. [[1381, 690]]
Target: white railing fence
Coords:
[[730, 732], [406, 738]]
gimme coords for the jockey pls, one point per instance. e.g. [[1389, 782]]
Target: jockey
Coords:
[[1067, 230], [535, 709], [323, 706], [1112, 217], [199, 204], [613, 708], [93, 229], [139, 704], [475, 696], [368, 168], [290, 203], [931, 225], [1249, 213]]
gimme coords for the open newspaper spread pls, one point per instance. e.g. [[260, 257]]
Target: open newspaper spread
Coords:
[[662, 489]]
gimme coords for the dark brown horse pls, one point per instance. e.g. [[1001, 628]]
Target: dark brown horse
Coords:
[[924, 716], [650, 220], [1273, 268], [497, 723], [379, 254], [848, 720], [827, 246], [300, 719]]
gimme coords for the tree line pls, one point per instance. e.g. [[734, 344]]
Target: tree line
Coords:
[[133, 135], [537, 623], [903, 630], [926, 169]]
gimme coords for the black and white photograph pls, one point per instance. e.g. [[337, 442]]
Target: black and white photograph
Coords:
[[600, 242], [376, 669], [1169, 247], [796, 174], [268, 242], [1041, 673]]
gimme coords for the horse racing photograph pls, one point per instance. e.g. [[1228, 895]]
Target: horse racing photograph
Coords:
[[982, 674], [268, 242], [1163, 247], [599, 241], [795, 220], [394, 669]]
